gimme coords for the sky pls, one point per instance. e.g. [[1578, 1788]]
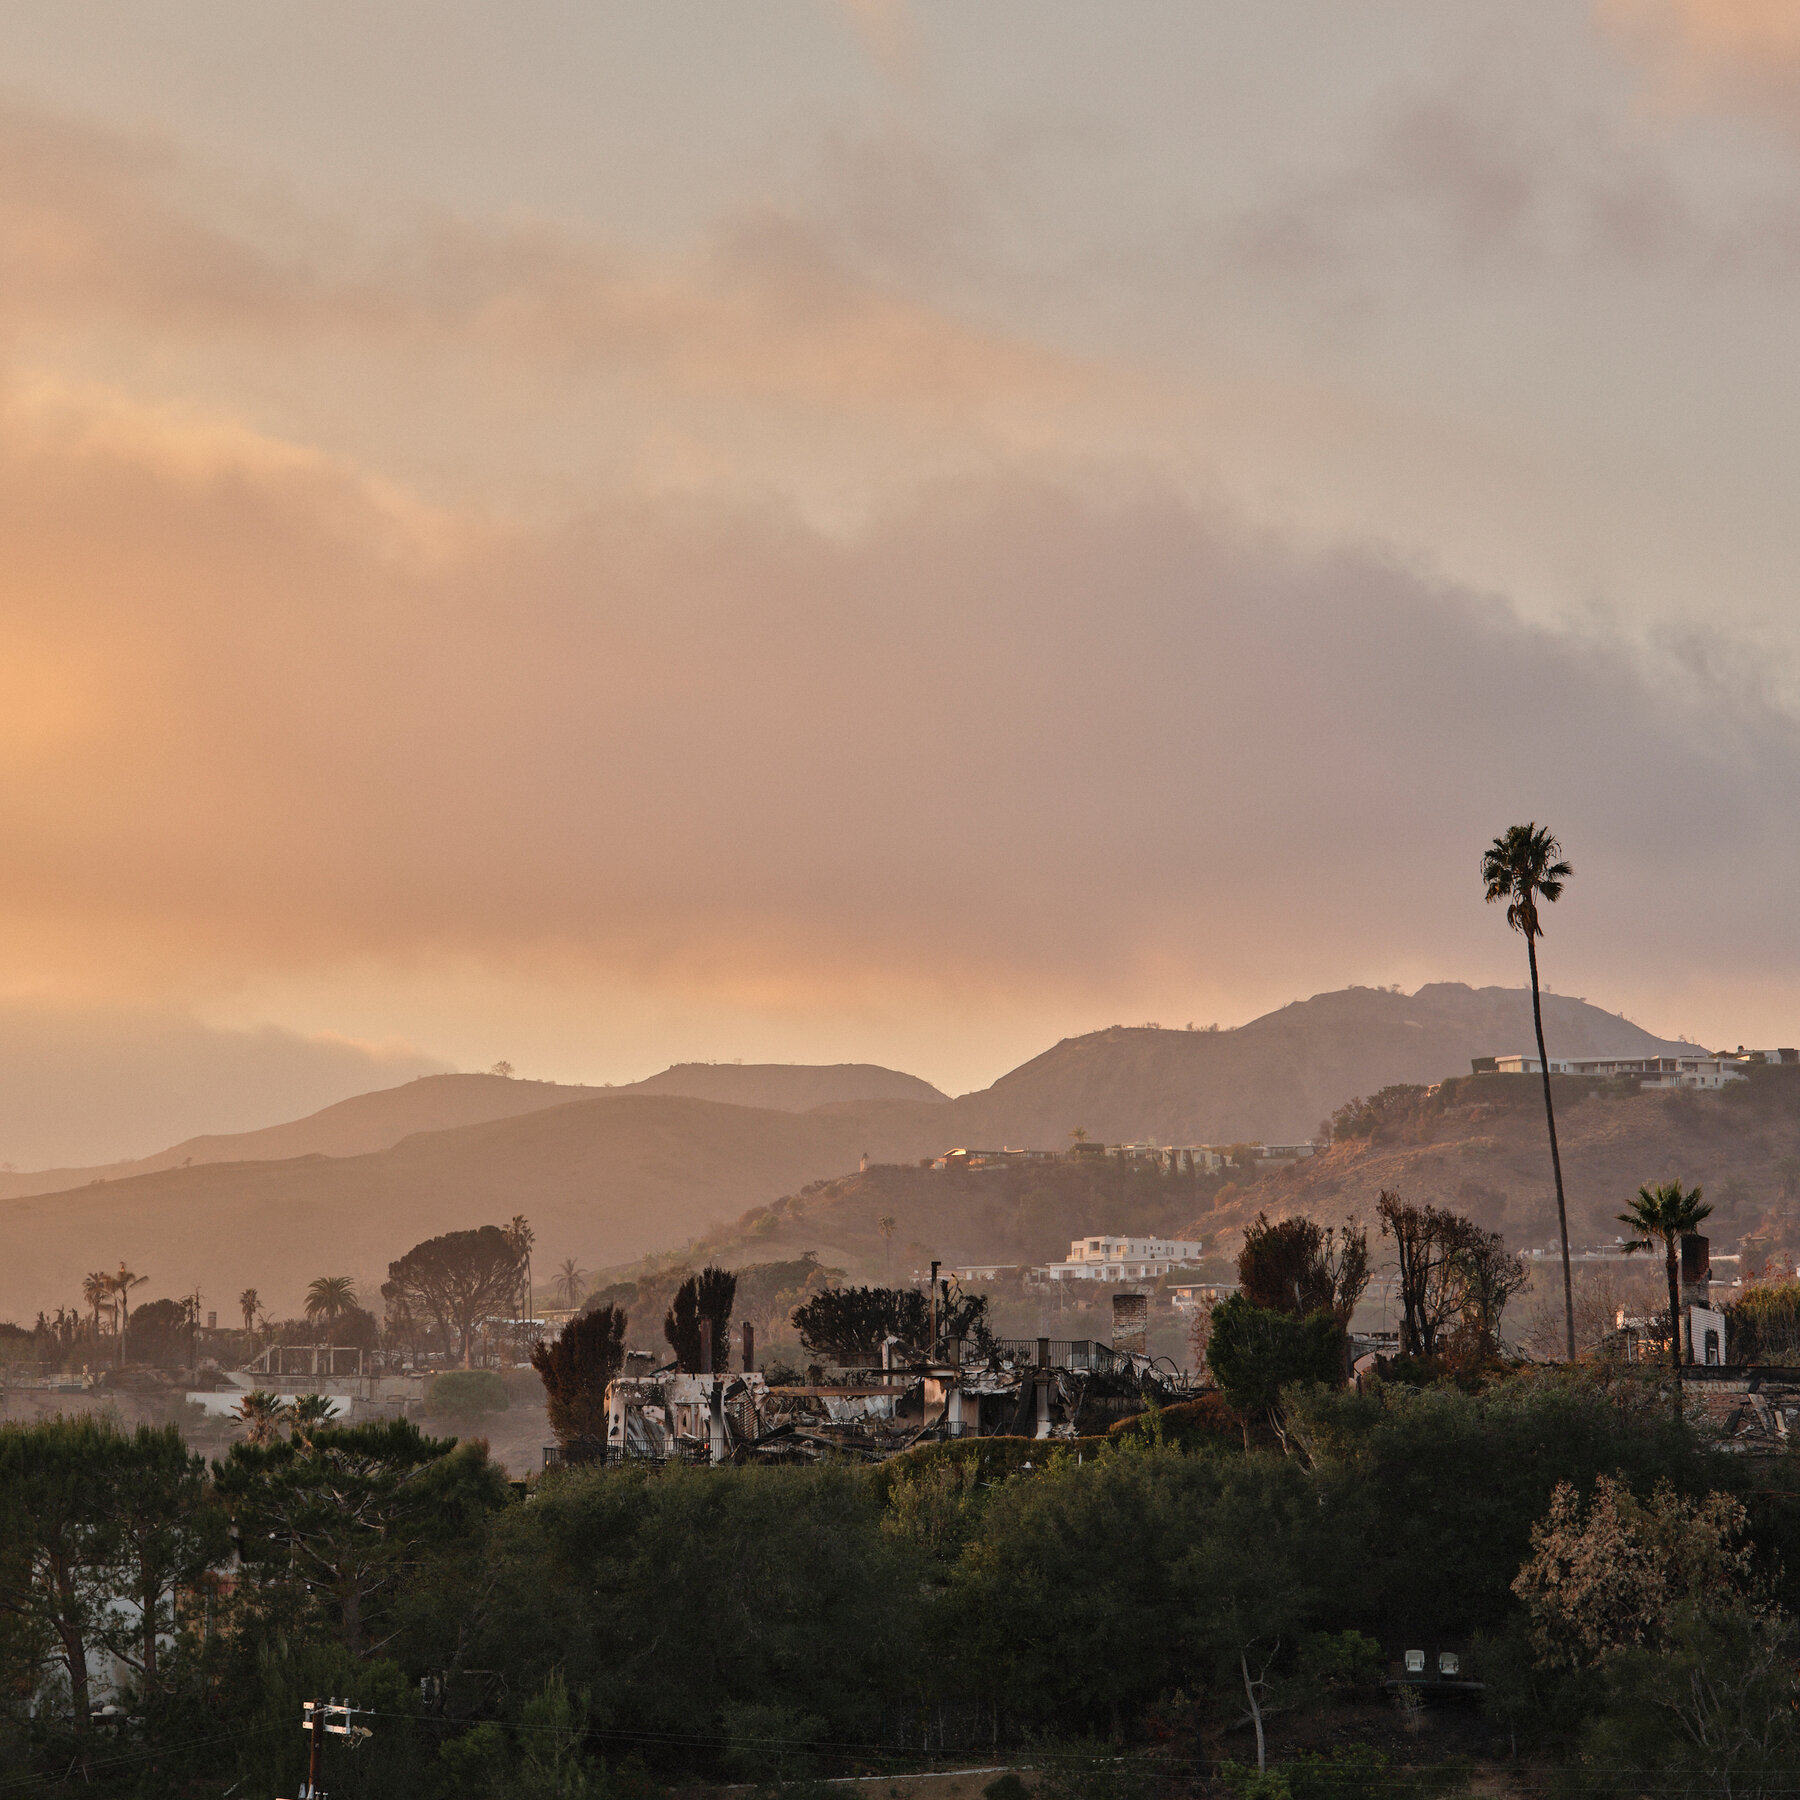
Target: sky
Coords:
[[607, 535]]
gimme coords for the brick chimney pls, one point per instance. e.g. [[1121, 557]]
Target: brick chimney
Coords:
[[1131, 1324]]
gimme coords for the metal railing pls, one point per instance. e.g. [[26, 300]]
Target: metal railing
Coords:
[[1086, 1355]]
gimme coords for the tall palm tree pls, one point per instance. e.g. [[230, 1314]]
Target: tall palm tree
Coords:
[[248, 1301], [1668, 1212], [885, 1225], [329, 1297], [520, 1235], [571, 1281], [121, 1285], [1522, 867]]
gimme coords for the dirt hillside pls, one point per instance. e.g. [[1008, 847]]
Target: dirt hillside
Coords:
[[1274, 1079], [1479, 1145]]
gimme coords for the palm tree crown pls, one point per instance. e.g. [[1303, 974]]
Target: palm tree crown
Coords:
[[262, 1413], [571, 1279], [329, 1297], [1523, 865], [1666, 1213], [305, 1416]]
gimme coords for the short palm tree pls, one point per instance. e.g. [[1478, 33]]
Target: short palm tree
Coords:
[[329, 1298], [885, 1225], [1668, 1213], [262, 1413], [94, 1291], [248, 1302], [1522, 867], [307, 1414], [571, 1281]]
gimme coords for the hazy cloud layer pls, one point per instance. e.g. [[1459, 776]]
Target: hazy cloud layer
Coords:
[[853, 603], [1015, 732], [109, 242], [1748, 49], [92, 1084]]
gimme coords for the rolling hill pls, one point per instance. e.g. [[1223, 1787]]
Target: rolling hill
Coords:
[[786, 1087], [1477, 1146], [609, 1175], [379, 1120], [1275, 1078], [604, 1179]]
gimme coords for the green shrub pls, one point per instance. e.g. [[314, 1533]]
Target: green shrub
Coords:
[[1356, 1772], [1332, 1661], [1256, 1353]]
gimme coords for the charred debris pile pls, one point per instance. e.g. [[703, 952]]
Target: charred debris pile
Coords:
[[891, 1369]]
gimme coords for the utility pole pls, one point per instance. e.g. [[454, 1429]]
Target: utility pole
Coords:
[[312, 1720], [317, 1718]]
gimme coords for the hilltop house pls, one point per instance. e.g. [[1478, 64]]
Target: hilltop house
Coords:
[[1700, 1070], [990, 1159], [1111, 1257]]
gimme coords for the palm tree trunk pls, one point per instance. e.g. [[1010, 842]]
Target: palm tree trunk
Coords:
[[1674, 1304], [1562, 1211]]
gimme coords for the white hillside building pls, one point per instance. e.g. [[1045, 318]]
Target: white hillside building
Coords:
[[1697, 1071], [1110, 1257]]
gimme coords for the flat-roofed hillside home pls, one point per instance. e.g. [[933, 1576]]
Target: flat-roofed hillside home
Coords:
[[1697, 1071], [1112, 1257]]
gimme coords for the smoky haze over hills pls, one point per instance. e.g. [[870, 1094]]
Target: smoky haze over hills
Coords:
[[608, 1175], [83, 1086], [379, 1120], [614, 1177]]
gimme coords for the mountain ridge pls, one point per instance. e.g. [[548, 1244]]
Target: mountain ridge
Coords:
[[384, 1117], [1276, 1077], [635, 1172], [612, 1174]]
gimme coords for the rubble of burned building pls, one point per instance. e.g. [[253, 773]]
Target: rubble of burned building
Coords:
[[1041, 1388]]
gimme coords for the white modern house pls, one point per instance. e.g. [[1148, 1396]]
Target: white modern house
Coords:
[[1110, 1257], [1696, 1071]]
